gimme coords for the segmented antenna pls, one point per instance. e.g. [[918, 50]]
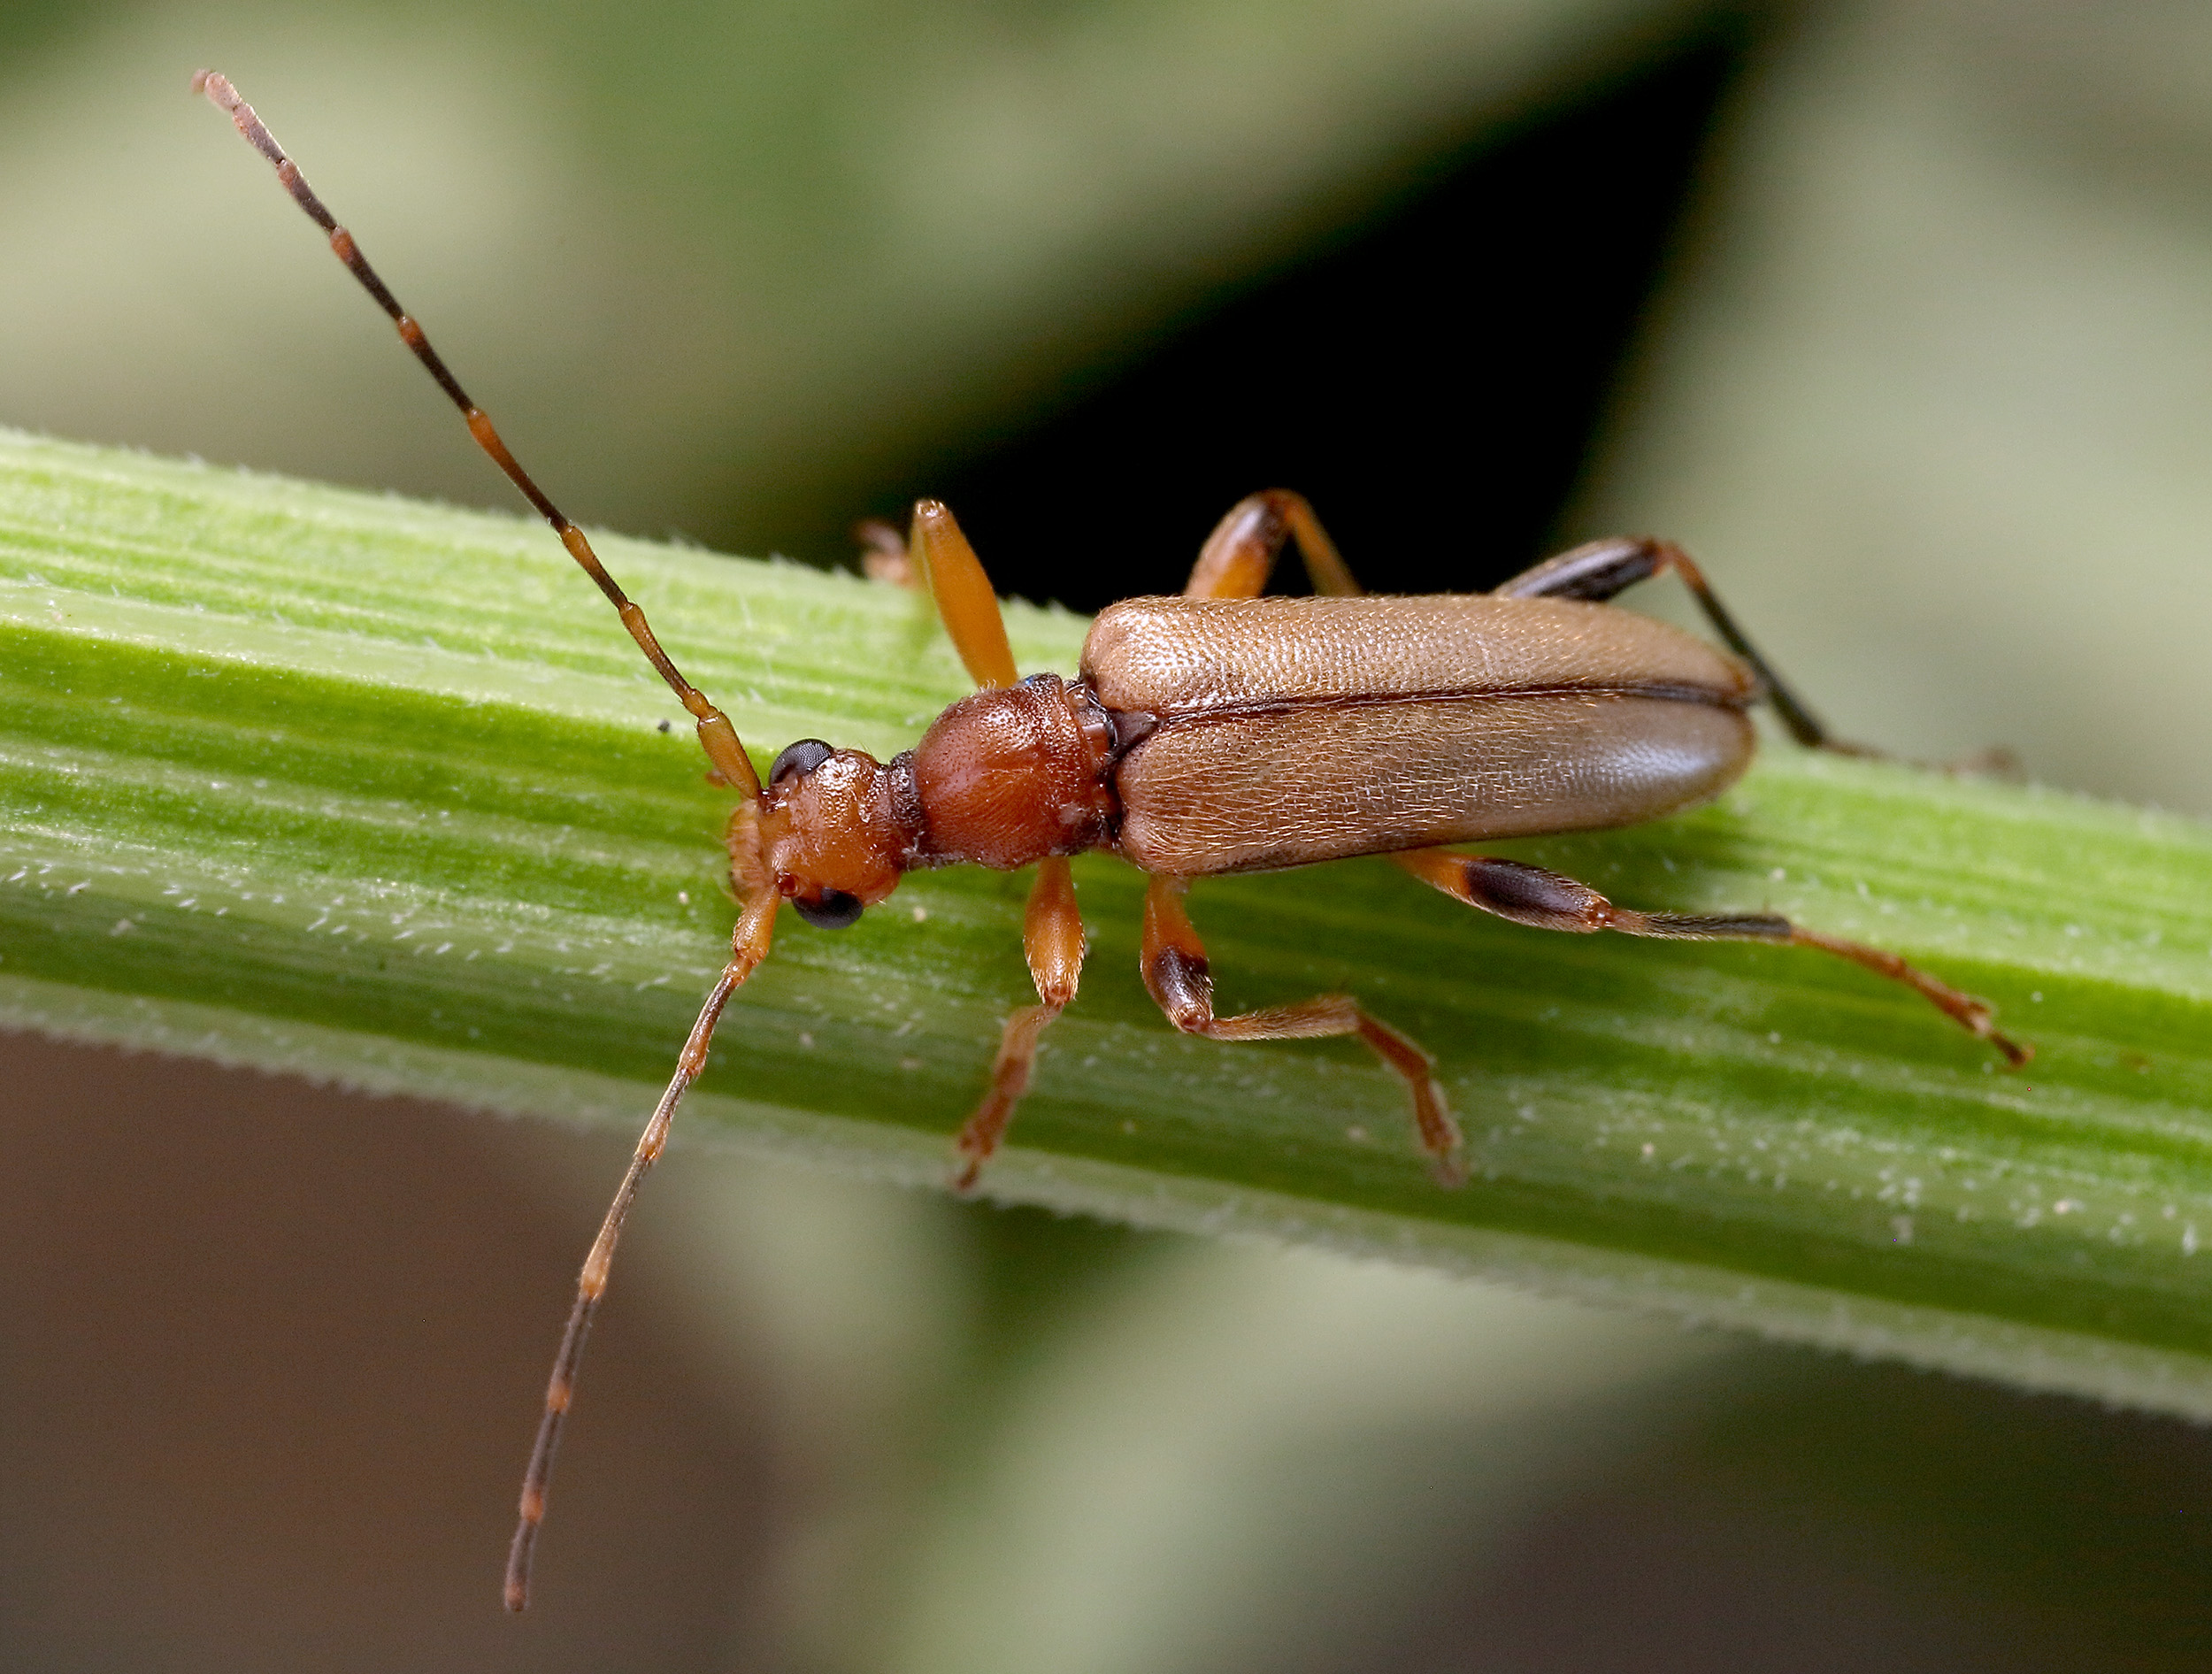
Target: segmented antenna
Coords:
[[750, 942], [750, 947], [716, 734]]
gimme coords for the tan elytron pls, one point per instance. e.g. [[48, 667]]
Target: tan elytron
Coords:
[[1296, 730]]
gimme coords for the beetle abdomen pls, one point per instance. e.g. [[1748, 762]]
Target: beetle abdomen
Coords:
[[1299, 730]]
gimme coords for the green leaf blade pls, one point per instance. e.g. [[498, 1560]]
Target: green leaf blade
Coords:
[[379, 792]]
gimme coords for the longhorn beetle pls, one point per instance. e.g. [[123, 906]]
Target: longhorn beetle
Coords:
[[1219, 732]]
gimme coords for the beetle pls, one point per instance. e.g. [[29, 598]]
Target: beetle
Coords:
[[1214, 732]]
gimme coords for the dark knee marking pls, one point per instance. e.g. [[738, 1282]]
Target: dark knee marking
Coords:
[[1182, 984], [1594, 572], [1531, 896]]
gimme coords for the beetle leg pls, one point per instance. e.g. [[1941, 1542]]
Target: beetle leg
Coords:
[[1052, 937], [1604, 568], [883, 555], [1181, 982], [1530, 895], [1240, 555], [965, 603]]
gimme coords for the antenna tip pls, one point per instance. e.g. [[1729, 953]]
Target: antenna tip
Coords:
[[216, 85]]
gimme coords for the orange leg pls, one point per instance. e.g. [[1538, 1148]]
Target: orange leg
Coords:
[[1240, 555], [965, 603], [883, 555], [1530, 895], [1181, 982], [1052, 937]]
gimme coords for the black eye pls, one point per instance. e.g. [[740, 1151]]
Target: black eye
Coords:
[[802, 757], [834, 910]]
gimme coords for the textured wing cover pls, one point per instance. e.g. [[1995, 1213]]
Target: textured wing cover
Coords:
[[1299, 730], [1167, 656]]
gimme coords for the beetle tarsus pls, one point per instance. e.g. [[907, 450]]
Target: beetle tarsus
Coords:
[[1977, 1017], [981, 1134]]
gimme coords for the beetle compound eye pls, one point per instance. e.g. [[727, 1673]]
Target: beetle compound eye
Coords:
[[802, 758], [834, 910]]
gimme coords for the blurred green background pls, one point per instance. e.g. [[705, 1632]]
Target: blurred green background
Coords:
[[1897, 314]]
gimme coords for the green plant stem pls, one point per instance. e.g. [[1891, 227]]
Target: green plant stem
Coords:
[[379, 793]]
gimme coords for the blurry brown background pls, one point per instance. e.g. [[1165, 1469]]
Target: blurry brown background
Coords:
[[1899, 315]]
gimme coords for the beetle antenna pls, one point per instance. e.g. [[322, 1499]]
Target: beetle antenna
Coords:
[[748, 946], [717, 736]]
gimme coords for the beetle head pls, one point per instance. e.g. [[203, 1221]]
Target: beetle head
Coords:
[[831, 841]]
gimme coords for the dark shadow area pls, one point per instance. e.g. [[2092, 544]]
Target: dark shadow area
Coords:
[[1850, 1516], [1429, 377]]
